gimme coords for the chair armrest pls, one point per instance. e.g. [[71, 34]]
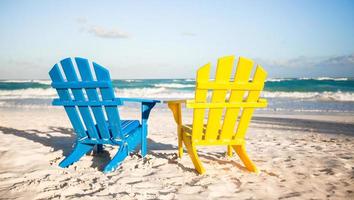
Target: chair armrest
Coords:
[[139, 100], [176, 108], [263, 101], [146, 107], [176, 101]]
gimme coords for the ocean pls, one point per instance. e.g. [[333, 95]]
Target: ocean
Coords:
[[284, 94]]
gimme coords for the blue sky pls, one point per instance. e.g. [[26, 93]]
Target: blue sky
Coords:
[[171, 39]]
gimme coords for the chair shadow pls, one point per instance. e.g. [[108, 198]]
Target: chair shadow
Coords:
[[172, 159], [65, 143], [45, 138], [153, 145], [100, 160], [220, 161]]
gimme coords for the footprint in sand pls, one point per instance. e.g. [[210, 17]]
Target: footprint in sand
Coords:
[[327, 171], [290, 195]]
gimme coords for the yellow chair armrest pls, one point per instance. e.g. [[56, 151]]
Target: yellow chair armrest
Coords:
[[176, 108], [175, 101], [263, 101]]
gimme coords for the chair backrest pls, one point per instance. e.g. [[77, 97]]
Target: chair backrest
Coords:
[[232, 100], [90, 104]]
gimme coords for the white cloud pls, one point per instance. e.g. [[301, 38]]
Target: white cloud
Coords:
[[291, 63], [100, 31], [338, 66], [107, 33], [303, 61], [347, 60], [188, 34]]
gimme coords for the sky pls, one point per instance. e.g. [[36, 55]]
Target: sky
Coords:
[[172, 39]]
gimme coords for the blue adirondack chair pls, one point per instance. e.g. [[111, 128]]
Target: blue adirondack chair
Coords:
[[95, 118]]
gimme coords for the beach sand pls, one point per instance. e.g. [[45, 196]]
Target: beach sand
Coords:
[[299, 157]]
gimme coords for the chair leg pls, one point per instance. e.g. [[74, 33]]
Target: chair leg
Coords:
[[180, 142], [143, 140], [117, 159], [80, 150], [192, 151], [229, 151], [241, 152], [99, 148]]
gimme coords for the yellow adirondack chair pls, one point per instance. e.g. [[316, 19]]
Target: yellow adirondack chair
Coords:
[[236, 98]]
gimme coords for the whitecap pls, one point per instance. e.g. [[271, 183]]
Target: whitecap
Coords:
[[315, 96], [173, 85]]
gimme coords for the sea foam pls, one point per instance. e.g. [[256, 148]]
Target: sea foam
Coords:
[[164, 92]]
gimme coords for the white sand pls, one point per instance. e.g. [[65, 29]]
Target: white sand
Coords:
[[299, 158]]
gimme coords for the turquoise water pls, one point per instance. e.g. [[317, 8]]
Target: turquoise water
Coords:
[[279, 85], [297, 94]]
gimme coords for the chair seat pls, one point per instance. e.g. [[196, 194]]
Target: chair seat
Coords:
[[129, 125], [187, 129], [187, 132]]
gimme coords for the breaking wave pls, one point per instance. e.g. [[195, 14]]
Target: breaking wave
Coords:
[[164, 92]]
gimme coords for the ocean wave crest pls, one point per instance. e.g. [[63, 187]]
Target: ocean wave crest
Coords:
[[330, 79], [307, 78], [174, 85], [32, 93], [316, 96], [154, 93], [164, 92], [278, 79], [132, 80], [324, 79], [44, 82]]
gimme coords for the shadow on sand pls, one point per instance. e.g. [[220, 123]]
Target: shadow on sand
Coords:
[[46, 138], [65, 140], [306, 125], [65, 143]]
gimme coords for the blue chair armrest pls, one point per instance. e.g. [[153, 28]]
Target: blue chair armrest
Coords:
[[146, 106], [139, 100]]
